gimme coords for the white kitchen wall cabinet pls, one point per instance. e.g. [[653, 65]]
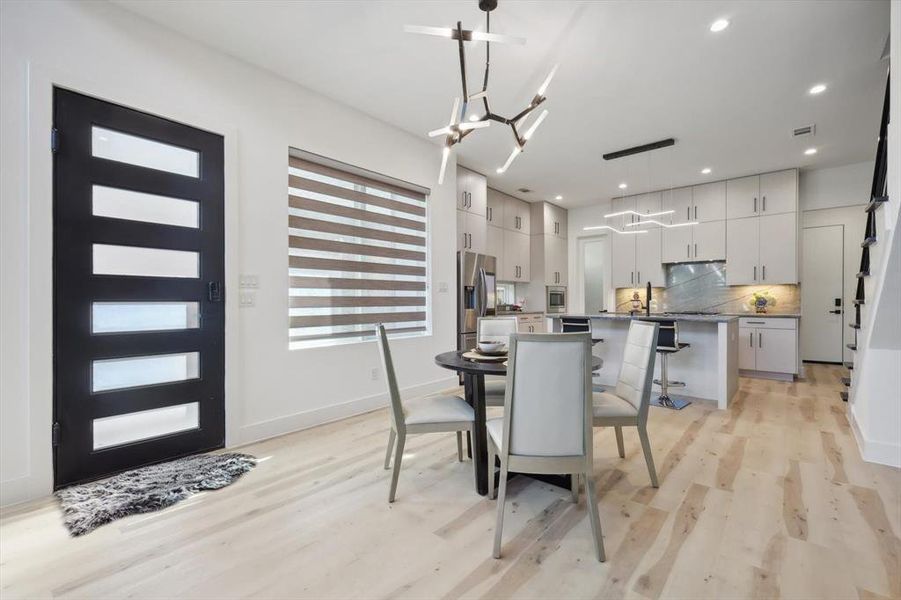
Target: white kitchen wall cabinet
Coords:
[[516, 257], [620, 205], [762, 250], [472, 232], [548, 219], [472, 192], [647, 204], [624, 252], [637, 259], [768, 345], [677, 244], [766, 194], [679, 201], [496, 211], [708, 241], [517, 215], [709, 202], [494, 246]]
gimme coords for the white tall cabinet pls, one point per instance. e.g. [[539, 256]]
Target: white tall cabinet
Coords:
[[508, 230], [472, 208], [762, 229], [549, 244]]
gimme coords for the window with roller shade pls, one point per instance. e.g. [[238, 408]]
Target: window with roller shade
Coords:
[[358, 254]]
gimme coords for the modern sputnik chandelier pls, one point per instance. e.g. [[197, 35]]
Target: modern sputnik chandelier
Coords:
[[459, 126]]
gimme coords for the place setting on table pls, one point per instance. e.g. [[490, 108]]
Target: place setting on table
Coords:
[[489, 358]]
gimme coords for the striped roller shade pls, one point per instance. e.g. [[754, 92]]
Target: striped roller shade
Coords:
[[357, 255]]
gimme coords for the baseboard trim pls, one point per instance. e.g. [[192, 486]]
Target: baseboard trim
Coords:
[[264, 430], [871, 450], [18, 490], [790, 377]]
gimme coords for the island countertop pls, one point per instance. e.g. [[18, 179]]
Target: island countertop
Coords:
[[621, 316]]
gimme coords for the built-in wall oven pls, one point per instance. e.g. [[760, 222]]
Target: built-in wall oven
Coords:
[[556, 299]]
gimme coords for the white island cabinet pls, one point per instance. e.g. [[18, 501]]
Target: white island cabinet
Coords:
[[768, 346], [709, 366]]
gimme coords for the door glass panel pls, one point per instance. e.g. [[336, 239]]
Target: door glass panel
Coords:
[[138, 206], [145, 262], [122, 147], [119, 373], [113, 317], [143, 425]]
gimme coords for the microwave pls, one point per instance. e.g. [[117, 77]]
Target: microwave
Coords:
[[556, 299]]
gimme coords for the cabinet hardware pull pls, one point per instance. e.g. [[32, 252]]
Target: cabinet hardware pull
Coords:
[[632, 277], [751, 340], [764, 272], [696, 213], [764, 204], [687, 250], [755, 272], [755, 204], [688, 213], [489, 213], [760, 339], [696, 250], [756, 323], [464, 240]]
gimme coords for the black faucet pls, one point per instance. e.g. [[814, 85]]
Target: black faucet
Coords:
[[648, 300]]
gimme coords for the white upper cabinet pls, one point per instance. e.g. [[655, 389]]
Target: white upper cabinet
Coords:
[[709, 202], [548, 219], [619, 205], [742, 251], [676, 245], [497, 204], [779, 192], [623, 247], [472, 192], [472, 232], [647, 204], [680, 202], [648, 261], [516, 256], [517, 215], [779, 249], [494, 246], [743, 197], [708, 240]]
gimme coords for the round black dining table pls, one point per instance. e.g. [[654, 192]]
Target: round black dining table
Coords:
[[474, 385]]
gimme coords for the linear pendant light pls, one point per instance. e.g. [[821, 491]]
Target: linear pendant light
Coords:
[[459, 127]]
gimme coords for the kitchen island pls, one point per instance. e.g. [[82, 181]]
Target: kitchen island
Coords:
[[709, 367]]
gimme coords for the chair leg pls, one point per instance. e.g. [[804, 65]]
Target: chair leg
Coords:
[[592, 502], [575, 487], [460, 446], [391, 436], [492, 478], [648, 457], [398, 455], [501, 499], [619, 441]]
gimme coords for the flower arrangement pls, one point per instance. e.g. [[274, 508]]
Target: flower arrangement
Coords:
[[760, 301]]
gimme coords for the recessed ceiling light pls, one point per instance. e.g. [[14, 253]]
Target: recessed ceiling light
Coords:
[[817, 89], [705, 171], [810, 151], [558, 197], [623, 186], [719, 25]]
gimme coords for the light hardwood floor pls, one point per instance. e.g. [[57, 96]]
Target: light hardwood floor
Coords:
[[768, 499]]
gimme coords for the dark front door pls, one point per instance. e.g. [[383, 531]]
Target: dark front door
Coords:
[[138, 307]]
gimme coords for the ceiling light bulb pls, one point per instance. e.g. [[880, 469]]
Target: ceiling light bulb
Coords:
[[810, 151], [705, 171], [558, 197], [719, 25], [474, 117], [623, 186], [444, 154], [510, 159], [547, 81], [531, 130], [817, 89]]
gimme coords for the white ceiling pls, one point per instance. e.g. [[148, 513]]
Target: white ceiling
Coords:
[[629, 73]]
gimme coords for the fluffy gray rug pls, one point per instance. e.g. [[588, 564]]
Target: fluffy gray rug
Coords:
[[90, 505]]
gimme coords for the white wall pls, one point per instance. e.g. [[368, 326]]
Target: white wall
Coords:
[[833, 187], [102, 50]]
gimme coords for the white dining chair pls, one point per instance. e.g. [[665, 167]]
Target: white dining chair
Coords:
[[546, 426], [495, 329], [432, 414], [627, 404]]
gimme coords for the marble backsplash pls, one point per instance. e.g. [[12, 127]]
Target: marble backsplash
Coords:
[[702, 287]]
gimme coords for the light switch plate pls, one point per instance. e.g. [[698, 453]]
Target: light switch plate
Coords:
[[249, 281], [247, 299], [442, 286]]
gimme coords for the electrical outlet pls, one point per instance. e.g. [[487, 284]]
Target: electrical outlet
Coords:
[[374, 374]]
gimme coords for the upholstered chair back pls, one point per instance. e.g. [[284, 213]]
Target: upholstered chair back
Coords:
[[637, 371], [548, 402], [495, 329]]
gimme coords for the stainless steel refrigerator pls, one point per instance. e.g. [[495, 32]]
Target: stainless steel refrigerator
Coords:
[[476, 279]]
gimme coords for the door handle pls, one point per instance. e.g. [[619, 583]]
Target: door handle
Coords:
[[835, 312], [215, 291]]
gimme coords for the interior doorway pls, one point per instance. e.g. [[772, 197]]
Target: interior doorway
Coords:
[[593, 280], [822, 275]]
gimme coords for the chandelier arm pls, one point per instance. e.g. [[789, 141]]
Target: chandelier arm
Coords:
[[520, 142], [462, 64], [528, 109]]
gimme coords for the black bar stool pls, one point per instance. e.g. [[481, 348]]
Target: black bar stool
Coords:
[[668, 343]]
